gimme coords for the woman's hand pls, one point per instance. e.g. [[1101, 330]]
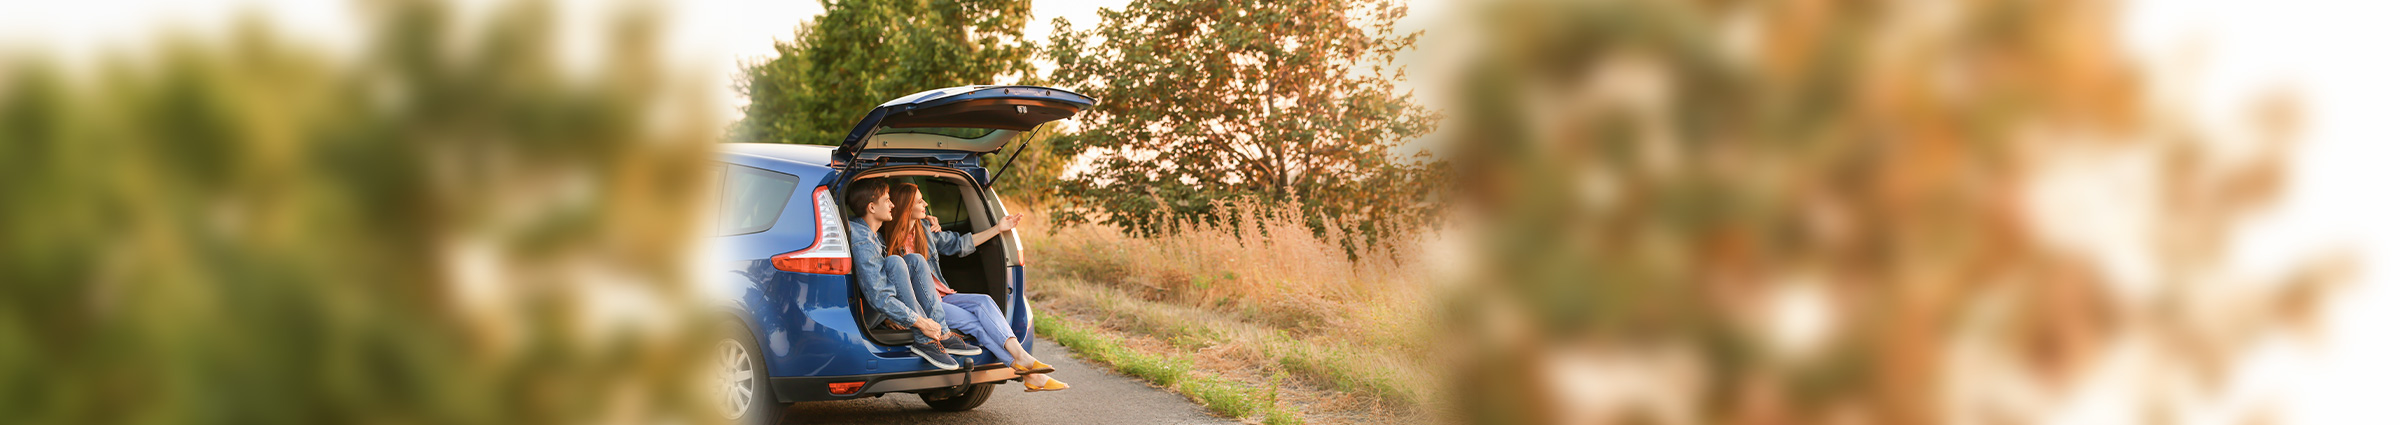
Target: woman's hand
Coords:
[[1006, 223], [930, 329]]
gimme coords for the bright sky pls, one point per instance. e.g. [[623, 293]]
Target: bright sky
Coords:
[[2335, 53]]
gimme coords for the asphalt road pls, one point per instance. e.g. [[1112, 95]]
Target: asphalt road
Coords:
[[1099, 397]]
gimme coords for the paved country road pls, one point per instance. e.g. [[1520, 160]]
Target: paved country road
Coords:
[[1099, 397]]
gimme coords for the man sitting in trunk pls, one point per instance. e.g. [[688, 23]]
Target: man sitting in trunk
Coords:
[[892, 286]]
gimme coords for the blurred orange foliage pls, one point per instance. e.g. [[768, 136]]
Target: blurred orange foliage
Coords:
[[1815, 211]]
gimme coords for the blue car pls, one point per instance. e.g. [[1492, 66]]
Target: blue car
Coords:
[[796, 326]]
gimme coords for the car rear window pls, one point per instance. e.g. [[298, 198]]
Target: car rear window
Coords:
[[753, 199], [957, 132]]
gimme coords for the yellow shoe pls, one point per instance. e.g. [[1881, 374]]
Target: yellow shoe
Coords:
[[1052, 385], [1029, 369]]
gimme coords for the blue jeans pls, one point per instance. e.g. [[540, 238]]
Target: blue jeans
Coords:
[[912, 278], [977, 315]]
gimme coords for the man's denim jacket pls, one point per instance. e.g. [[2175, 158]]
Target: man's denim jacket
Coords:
[[866, 258]]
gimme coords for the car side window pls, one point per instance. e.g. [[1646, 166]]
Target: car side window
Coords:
[[941, 200], [753, 198]]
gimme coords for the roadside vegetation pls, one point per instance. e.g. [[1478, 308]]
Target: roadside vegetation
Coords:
[[1261, 321]]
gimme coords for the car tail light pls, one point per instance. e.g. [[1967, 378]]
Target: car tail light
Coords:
[[844, 388], [830, 254]]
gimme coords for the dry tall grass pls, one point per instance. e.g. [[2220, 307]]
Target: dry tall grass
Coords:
[[1264, 264], [1258, 297]]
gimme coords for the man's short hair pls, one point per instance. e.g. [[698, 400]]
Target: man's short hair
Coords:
[[863, 193]]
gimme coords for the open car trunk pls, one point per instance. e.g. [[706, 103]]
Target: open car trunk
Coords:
[[965, 208], [968, 119]]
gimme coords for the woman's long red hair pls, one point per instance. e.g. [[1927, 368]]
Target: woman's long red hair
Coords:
[[906, 232]]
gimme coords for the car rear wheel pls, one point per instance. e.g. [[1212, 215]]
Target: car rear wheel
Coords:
[[740, 392], [958, 401]]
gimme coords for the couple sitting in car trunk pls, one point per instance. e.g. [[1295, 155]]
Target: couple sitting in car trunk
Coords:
[[893, 243]]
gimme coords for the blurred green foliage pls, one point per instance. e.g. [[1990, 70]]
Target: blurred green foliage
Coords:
[[861, 53], [1650, 183], [1210, 101], [446, 225]]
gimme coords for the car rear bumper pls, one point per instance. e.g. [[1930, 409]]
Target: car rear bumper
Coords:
[[813, 388]]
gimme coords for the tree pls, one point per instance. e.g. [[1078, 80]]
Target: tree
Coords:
[[777, 87], [861, 53], [1204, 101], [261, 228], [1731, 166]]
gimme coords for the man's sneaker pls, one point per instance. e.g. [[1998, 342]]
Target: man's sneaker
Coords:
[[959, 347], [932, 352]]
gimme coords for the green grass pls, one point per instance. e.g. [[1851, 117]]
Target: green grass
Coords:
[[1340, 370], [1230, 398], [1337, 367], [1227, 397], [1161, 370]]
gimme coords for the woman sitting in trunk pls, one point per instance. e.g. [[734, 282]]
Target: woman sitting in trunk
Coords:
[[913, 232], [892, 282]]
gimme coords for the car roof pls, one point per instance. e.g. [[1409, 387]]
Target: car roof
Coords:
[[818, 155], [805, 161]]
